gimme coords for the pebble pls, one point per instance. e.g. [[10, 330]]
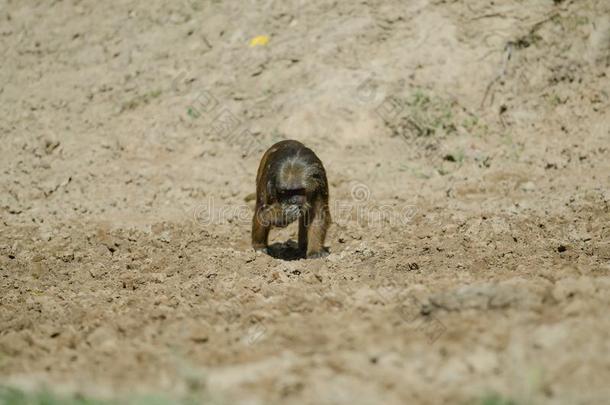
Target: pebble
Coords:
[[529, 186]]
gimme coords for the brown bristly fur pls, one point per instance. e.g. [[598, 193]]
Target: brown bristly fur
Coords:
[[291, 177]]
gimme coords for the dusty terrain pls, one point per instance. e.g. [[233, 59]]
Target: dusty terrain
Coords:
[[468, 149]]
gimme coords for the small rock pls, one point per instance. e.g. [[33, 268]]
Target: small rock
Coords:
[[529, 186], [199, 334], [67, 257], [50, 145], [364, 250], [165, 237]]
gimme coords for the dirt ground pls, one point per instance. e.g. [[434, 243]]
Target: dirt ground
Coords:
[[467, 146]]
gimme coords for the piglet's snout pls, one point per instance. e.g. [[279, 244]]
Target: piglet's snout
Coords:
[[297, 199]]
